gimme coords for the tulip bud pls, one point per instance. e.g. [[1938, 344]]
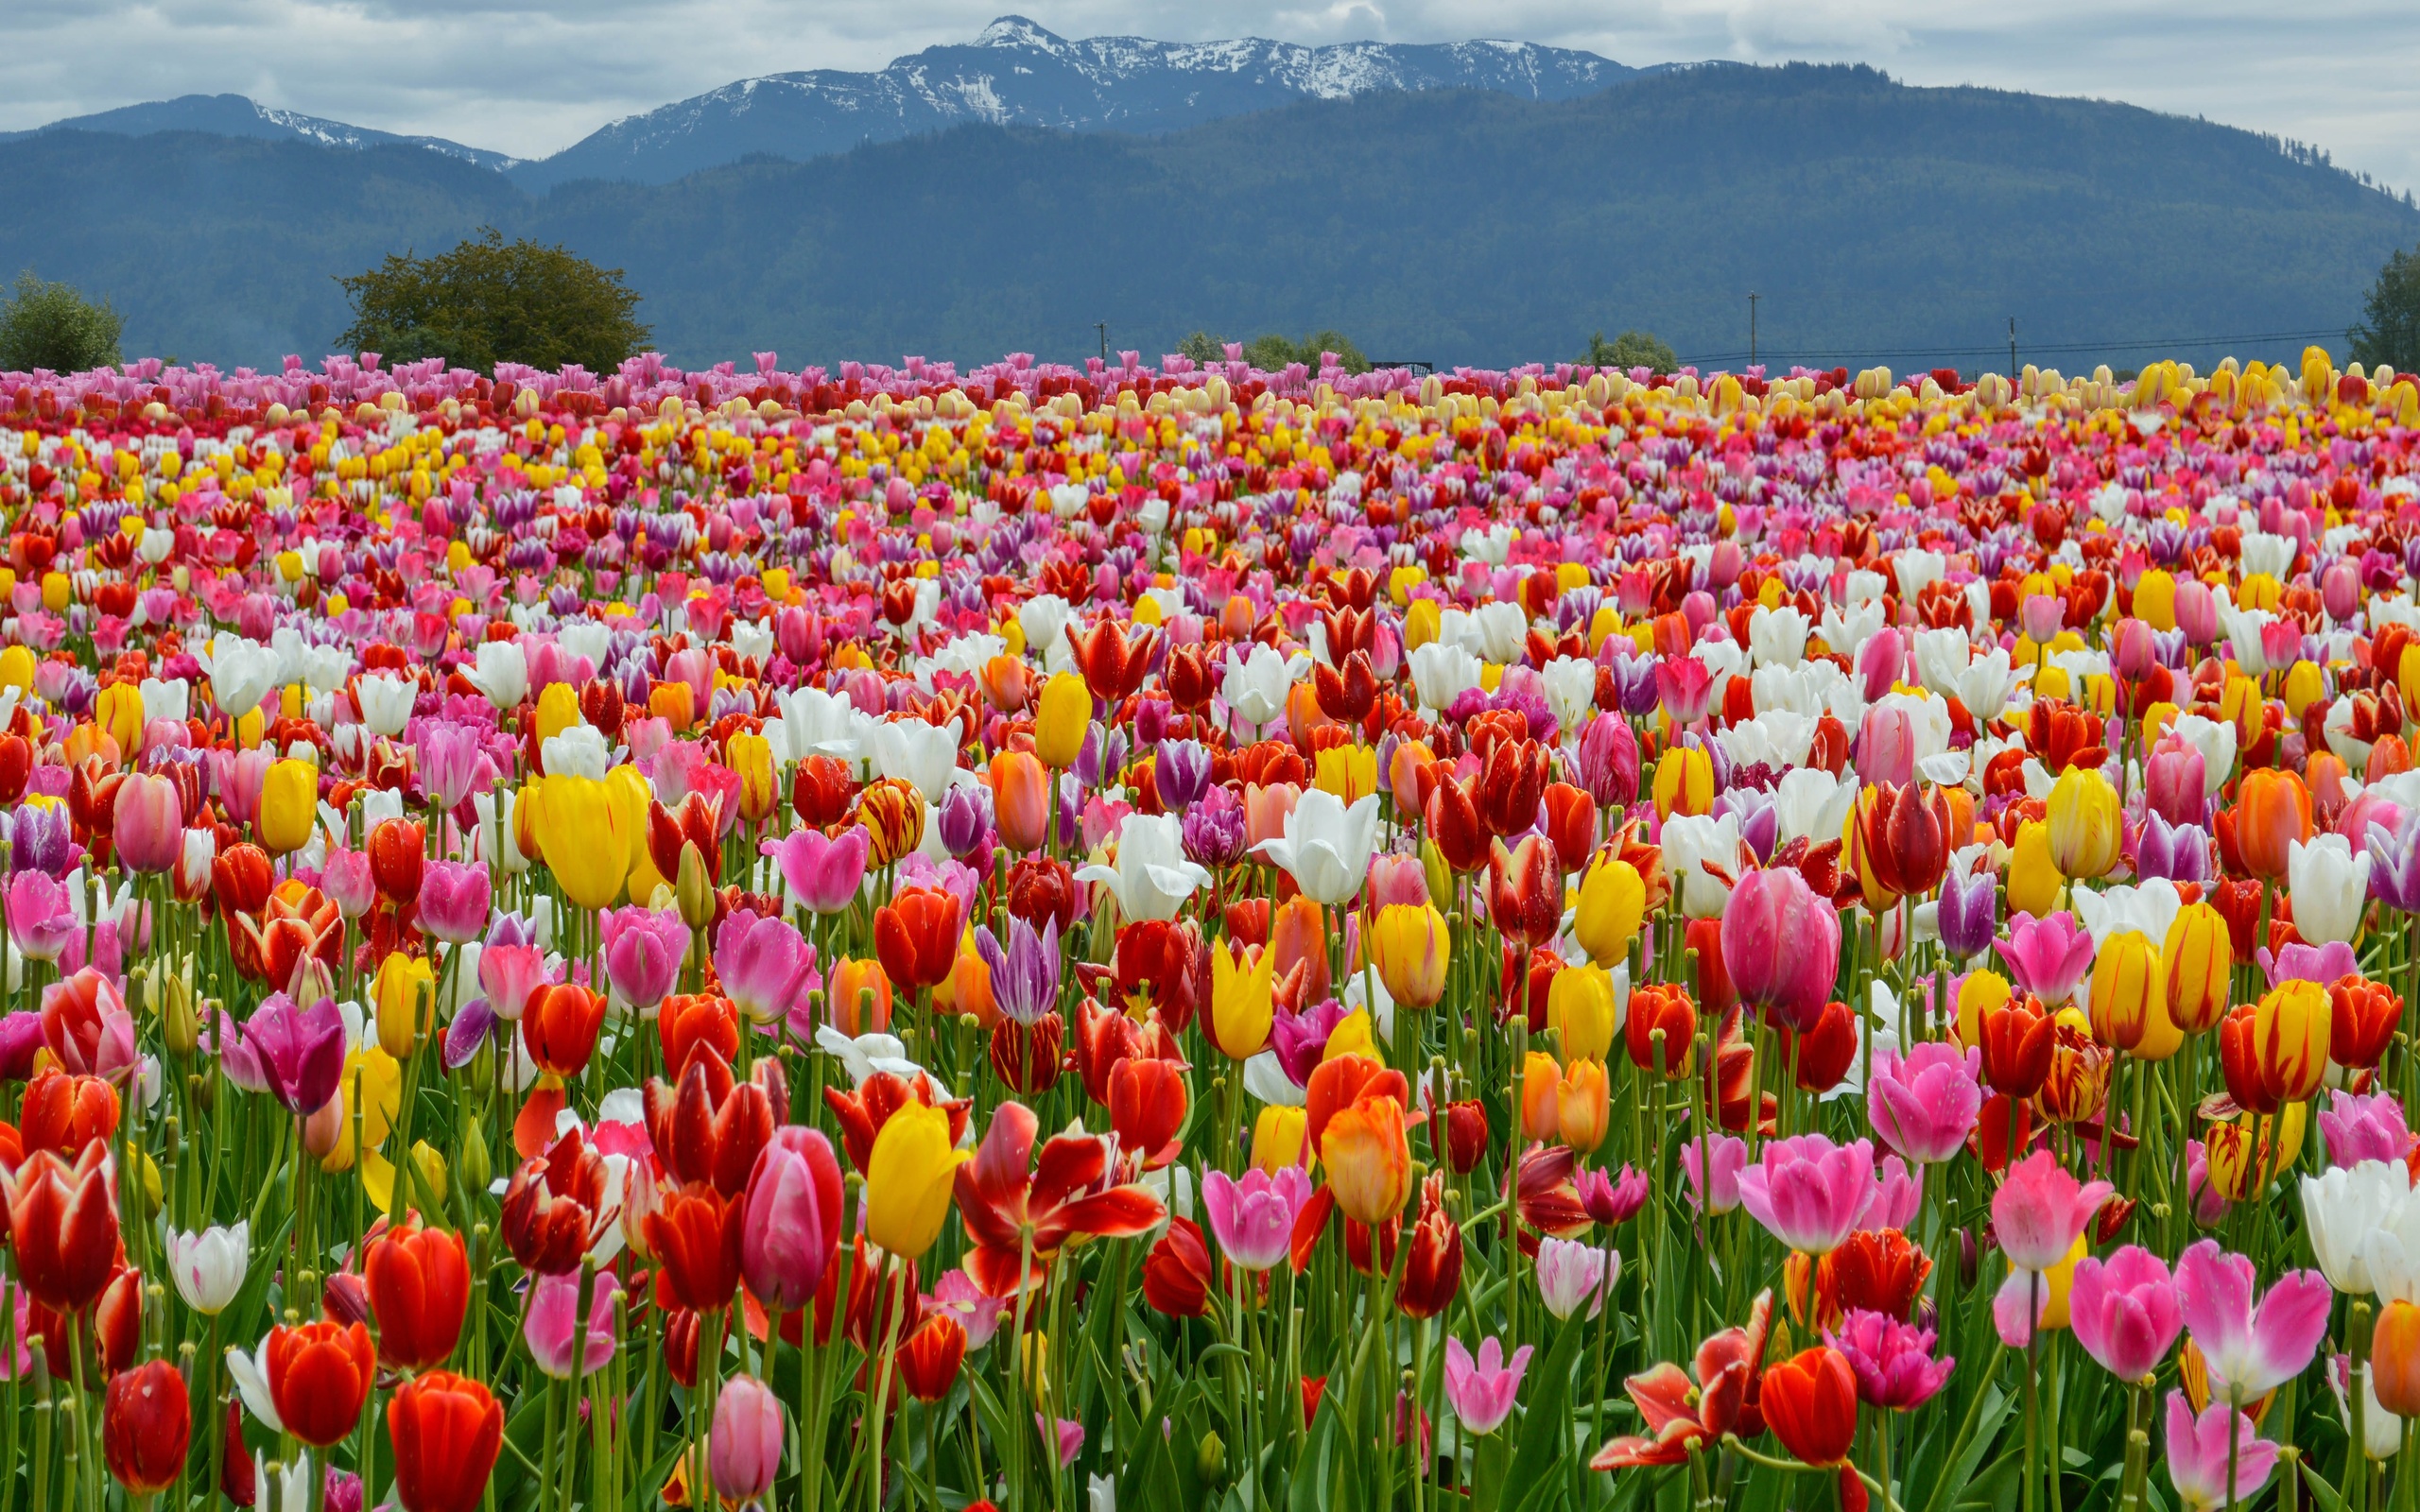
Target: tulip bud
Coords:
[[473, 1148], [1210, 1460], [178, 1025], [694, 892]]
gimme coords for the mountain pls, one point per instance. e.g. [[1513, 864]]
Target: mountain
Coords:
[[234, 116], [1018, 73], [1877, 222]]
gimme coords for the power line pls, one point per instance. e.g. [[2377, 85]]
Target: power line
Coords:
[[2047, 348]]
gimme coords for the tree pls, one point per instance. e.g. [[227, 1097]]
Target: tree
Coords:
[[2390, 328], [1632, 349], [489, 301], [1272, 351], [51, 325], [1202, 347]]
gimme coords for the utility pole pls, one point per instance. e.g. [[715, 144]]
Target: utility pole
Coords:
[[2012, 349], [1102, 326], [1753, 297]]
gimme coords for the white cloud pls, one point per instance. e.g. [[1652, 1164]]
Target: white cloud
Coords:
[[532, 78]]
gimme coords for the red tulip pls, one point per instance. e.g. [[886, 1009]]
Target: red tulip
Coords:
[[318, 1377], [1432, 1270], [1147, 1106], [1809, 1401], [697, 820], [146, 1424], [1525, 889], [446, 1431], [560, 1025], [1572, 823], [419, 1282], [1512, 782], [1176, 1275], [398, 852], [916, 936], [930, 1357], [1453, 823], [696, 1234], [63, 1221], [63, 1114], [554, 1207], [711, 1127]]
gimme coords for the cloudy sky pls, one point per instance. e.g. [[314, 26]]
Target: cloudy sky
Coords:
[[532, 78]]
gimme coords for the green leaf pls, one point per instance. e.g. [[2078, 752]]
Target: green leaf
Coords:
[[2322, 1494], [1545, 1435]]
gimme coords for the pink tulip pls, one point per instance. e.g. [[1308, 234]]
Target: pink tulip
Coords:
[[977, 1312], [1925, 1103], [2362, 1128], [554, 1307], [1396, 879], [2174, 783], [1896, 1195], [511, 966], [2200, 1449], [39, 920], [1781, 945], [1568, 1272], [1881, 663], [1720, 1194], [239, 778], [766, 967], [643, 952], [1807, 1191], [1886, 746], [1686, 687], [2197, 611], [1893, 1360], [346, 878], [2040, 1212], [2048, 956], [454, 901], [1068, 1434], [1481, 1391], [2250, 1347], [148, 823], [746, 1451], [823, 872], [793, 1219], [2125, 1311], [1253, 1219]]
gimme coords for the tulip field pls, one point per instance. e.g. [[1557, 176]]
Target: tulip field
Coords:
[[1201, 939]]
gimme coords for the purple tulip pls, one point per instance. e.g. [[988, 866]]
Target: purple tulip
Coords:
[[2394, 866], [2180, 853], [1025, 974], [300, 1054], [1180, 773], [965, 814], [39, 840], [1966, 918], [1214, 829]]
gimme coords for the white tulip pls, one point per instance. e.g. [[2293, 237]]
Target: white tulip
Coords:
[[2341, 1209], [250, 1374], [578, 752], [1689, 839], [1151, 878], [500, 670], [2330, 886], [918, 753], [1441, 673], [386, 703], [1778, 637], [1255, 686], [209, 1267], [1326, 846]]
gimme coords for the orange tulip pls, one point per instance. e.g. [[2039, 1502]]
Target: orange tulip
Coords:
[[1369, 1157], [2273, 811], [1021, 799]]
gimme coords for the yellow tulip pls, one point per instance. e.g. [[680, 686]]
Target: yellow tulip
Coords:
[[2128, 984], [1983, 990], [2082, 823], [751, 758], [1353, 1036], [405, 994], [2058, 1284], [1411, 946], [909, 1176], [17, 668], [118, 712], [2303, 687], [2034, 880], [585, 832], [1422, 623], [289, 805], [2236, 1172], [557, 710], [378, 1078], [2155, 600], [1277, 1136], [1242, 1001], [631, 795], [1579, 1006], [1613, 902], [1349, 772], [1059, 724], [1684, 782], [57, 592], [2198, 960]]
